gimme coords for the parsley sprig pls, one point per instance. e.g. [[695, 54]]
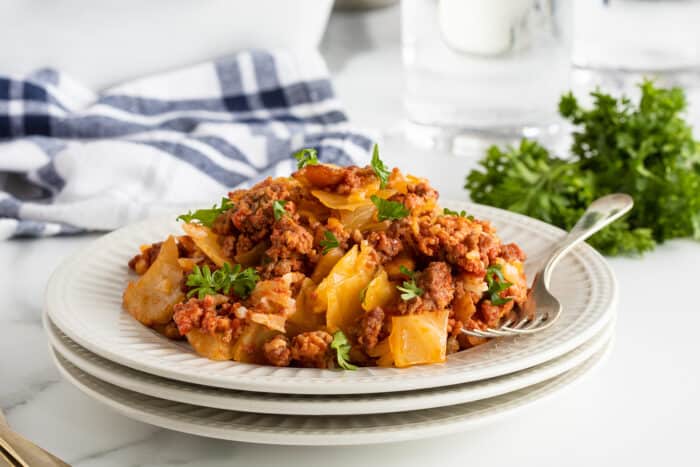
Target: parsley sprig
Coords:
[[306, 156], [409, 288], [207, 216], [644, 148], [342, 351], [462, 213], [497, 284], [379, 168], [204, 282], [278, 209], [389, 210], [329, 242]]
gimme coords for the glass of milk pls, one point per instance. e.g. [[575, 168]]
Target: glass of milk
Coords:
[[481, 71]]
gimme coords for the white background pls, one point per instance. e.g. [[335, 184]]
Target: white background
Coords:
[[641, 408]]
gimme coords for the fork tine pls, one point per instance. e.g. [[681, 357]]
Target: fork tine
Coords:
[[520, 324], [525, 326], [499, 332], [478, 333], [507, 323], [488, 333], [538, 324]]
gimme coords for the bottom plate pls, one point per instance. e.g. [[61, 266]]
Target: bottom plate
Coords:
[[316, 431], [268, 403]]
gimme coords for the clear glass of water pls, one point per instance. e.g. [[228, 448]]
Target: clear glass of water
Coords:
[[476, 71]]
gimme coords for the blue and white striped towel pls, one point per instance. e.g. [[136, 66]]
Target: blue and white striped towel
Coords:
[[72, 161]]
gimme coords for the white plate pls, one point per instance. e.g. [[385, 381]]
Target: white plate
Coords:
[[316, 431], [287, 404], [83, 299]]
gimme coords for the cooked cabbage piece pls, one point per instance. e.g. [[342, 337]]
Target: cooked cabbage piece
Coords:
[[211, 346], [340, 291], [419, 338], [151, 298], [379, 292], [207, 241]]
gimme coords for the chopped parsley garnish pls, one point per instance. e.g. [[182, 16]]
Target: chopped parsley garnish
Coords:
[[207, 216], [342, 351], [409, 288], [223, 280], [278, 209], [407, 272], [379, 168], [462, 213], [306, 156], [202, 282], [389, 210], [497, 284], [329, 242]]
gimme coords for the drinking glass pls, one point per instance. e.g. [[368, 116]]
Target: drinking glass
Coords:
[[479, 70], [617, 42]]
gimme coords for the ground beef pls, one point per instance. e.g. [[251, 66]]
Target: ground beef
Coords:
[[489, 247], [212, 314], [188, 315], [141, 262], [491, 314], [222, 224], [334, 226], [253, 213], [244, 243], [453, 239], [454, 326], [291, 245], [436, 282], [416, 196], [186, 247], [512, 252], [355, 178], [228, 246], [312, 349], [385, 244], [437, 286], [277, 351], [371, 327], [341, 180]]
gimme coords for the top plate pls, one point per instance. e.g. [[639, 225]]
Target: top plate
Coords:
[[83, 299]]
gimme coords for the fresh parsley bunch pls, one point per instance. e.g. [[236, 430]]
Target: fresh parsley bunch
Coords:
[[646, 150]]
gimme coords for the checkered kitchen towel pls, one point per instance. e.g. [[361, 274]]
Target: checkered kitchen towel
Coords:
[[72, 161]]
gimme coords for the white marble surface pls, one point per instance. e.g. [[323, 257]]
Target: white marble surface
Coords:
[[641, 408]]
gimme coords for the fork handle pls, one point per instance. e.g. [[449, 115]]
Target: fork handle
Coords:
[[599, 214], [24, 452]]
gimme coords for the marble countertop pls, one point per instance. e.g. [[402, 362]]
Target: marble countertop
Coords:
[[640, 408]]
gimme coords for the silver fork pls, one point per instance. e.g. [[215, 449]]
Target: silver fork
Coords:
[[542, 309]]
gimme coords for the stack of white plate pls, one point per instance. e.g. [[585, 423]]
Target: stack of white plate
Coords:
[[114, 359]]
